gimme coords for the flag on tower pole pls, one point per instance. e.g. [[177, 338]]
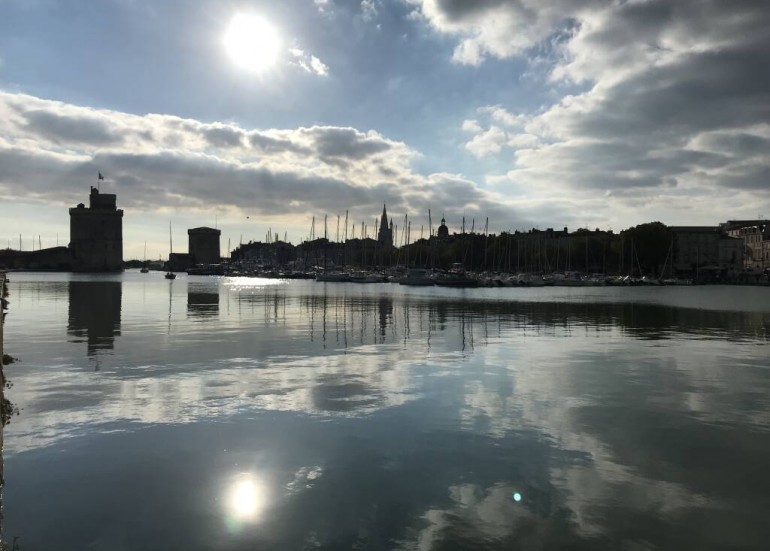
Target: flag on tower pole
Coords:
[[100, 176]]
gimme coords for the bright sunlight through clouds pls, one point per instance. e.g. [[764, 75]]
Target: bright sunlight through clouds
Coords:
[[251, 42]]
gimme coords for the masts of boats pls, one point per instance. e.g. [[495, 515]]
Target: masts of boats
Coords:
[[170, 274], [145, 269]]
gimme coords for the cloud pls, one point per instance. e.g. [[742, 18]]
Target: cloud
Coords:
[[308, 62], [369, 10], [660, 106], [498, 28], [49, 149]]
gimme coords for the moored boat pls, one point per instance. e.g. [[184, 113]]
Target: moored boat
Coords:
[[417, 277], [335, 277], [456, 277]]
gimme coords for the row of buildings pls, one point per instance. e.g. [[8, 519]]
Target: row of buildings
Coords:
[[96, 242], [728, 249]]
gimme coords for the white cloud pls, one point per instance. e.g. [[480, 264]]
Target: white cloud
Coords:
[[471, 125], [667, 117], [487, 142], [48, 148], [497, 28], [369, 10], [309, 62]]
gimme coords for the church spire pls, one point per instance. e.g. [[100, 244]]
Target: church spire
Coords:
[[385, 235]]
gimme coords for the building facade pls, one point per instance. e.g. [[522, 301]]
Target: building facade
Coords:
[[753, 234], [706, 252], [203, 245], [96, 234]]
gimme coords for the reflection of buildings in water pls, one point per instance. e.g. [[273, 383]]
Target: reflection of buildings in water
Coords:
[[340, 320], [202, 304], [94, 313], [385, 307]]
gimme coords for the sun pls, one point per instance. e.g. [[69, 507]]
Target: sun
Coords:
[[251, 42]]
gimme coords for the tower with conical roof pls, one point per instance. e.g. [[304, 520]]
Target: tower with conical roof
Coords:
[[385, 235]]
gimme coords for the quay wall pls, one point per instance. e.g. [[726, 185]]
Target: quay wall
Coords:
[[54, 258]]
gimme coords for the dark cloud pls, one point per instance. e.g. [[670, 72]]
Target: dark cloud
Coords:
[[269, 144], [674, 92], [457, 10], [346, 142], [71, 129], [223, 136]]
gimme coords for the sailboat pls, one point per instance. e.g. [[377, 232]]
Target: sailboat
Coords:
[[170, 274], [145, 269]]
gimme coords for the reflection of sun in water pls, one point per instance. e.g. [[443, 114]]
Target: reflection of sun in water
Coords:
[[247, 497], [251, 42]]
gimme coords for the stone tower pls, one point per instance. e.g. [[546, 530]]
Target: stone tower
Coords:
[[96, 234], [385, 235], [204, 245]]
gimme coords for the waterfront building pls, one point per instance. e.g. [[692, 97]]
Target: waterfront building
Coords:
[[96, 234], [753, 233], [766, 248], [706, 252], [178, 262], [203, 245]]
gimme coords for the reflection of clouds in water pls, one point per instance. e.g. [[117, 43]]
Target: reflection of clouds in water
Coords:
[[639, 412], [357, 383], [482, 518], [304, 479], [622, 415]]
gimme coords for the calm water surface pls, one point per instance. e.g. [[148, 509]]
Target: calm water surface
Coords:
[[235, 414]]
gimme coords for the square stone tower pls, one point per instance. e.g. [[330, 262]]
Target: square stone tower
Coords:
[[204, 245], [96, 234]]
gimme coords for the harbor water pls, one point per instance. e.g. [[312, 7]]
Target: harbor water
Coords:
[[238, 413]]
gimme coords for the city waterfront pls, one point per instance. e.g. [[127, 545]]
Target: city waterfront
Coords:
[[246, 413]]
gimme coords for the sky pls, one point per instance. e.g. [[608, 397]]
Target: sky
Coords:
[[532, 113]]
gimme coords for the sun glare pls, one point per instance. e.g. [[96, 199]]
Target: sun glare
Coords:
[[247, 498], [251, 42]]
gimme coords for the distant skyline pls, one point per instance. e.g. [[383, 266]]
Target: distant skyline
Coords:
[[534, 113]]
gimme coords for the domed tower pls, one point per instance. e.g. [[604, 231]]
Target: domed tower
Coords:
[[443, 231]]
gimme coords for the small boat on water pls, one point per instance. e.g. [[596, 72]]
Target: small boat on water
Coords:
[[365, 277], [170, 275], [417, 277], [335, 277]]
